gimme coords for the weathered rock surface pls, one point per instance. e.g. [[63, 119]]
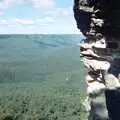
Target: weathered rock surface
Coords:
[[98, 106], [99, 22], [94, 87], [111, 81], [96, 64]]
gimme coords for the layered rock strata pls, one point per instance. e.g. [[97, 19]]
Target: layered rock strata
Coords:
[[99, 21]]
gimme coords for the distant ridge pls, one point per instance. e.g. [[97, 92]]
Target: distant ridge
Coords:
[[4, 36]]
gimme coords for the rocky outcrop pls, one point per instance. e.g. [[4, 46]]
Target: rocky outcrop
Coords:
[[99, 22]]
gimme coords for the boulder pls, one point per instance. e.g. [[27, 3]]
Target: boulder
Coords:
[[96, 64], [111, 81], [95, 86]]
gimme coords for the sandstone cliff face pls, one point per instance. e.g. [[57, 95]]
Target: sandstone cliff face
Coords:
[[99, 21]]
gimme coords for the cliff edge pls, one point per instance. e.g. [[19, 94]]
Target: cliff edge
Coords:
[[99, 22]]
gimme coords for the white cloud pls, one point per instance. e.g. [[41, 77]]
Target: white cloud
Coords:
[[39, 29], [25, 21], [60, 12], [3, 22], [42, 3], [1, 8], [1, 12], [29, 22], [16, 22], [4, 4], [52, 20], [67, 11], [48, 19], [35, 3], [45, 20]]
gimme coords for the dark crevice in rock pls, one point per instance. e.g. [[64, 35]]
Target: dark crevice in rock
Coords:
[[113, 103]]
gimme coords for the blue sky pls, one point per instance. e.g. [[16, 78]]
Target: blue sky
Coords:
[[37, 16]]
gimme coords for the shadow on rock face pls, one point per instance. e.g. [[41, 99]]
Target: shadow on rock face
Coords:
[[115, 68], [105, 105], [82, 18], [98, 106], [113, 103]]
